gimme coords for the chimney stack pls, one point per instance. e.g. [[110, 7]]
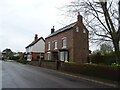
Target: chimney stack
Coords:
[[79, 17], [36, 37], [52, 30]]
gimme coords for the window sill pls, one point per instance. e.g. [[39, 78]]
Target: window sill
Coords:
[[55, 48], [64, 47]]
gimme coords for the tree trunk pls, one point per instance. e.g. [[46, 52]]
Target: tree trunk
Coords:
[[117, 48], [117, 52]]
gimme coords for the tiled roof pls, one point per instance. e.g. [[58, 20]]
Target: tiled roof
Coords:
[[62, 29], [34, 42]]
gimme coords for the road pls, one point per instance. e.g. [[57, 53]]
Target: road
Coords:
[[16, 75]]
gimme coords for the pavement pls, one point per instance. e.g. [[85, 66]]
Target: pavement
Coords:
[[16, 75]]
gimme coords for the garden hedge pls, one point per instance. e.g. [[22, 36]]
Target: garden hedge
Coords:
[[101, 71]]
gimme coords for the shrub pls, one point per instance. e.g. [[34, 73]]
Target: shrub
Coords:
[[14, 58], [115, 65], [22, 61], [107, 59], [49, 61], [35, 59], [71, 62]]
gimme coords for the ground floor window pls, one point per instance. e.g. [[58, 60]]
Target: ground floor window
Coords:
[[48, 55], [64, 56]]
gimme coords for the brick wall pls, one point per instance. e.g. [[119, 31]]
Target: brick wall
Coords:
[[77, 42], [35, 55], [81, 46], [59, 37]]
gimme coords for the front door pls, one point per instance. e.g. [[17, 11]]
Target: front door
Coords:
[[55, 55]]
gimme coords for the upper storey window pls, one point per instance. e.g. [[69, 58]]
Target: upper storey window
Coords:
[[48, 45], [55, 45], [77, 29], [64, 42]]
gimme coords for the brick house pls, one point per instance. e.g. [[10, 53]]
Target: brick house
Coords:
[[36, 49], [69, 43]]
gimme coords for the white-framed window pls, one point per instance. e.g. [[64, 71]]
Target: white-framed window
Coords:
[[61, 56], [55, 44], [77, 29], [48, 45], [64, 56], [48, 55], [64, 42]]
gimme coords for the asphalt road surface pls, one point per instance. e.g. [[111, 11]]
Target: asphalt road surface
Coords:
[[16, 75]]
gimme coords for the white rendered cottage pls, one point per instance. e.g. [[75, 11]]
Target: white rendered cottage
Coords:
[[36, 49]]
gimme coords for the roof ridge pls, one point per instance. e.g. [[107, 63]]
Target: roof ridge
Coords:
[[67, 25], [62, 29], [33, 42]]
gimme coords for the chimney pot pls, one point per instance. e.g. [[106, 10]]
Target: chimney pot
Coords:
[[52, 30], [36, 37], [79, 17]]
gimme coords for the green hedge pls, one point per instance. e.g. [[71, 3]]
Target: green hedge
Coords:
[[103, 59], [14, 58], [22, 61], [101, 71], [35, 59], [49, 60]]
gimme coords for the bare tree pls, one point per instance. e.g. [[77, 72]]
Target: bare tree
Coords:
[[102, 17], [105, 49]]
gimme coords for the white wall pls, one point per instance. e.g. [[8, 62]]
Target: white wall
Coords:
[[29, 49], [39, 46]]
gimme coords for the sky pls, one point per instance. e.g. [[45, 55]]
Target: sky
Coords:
[[20, 20]]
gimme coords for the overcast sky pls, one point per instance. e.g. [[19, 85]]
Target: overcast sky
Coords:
[[20, 20]]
